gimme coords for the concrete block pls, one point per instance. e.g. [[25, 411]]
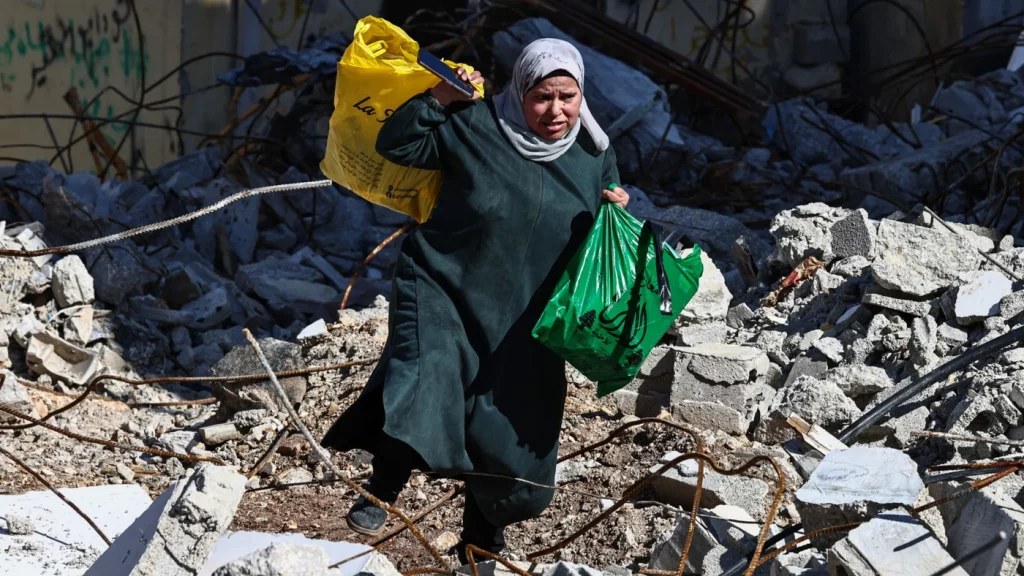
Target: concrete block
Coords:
[[1012, 304], [178, 532], [72, 283], [61, 359], [62, 543], [851, 267], [804, 231], [921, 261], [854, 484], [859, 380], [980, 297]]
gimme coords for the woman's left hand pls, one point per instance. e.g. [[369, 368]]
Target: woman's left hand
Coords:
[[616, 196]]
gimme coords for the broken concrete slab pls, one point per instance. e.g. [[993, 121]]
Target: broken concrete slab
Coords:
[[921, 261], [895, 544], [180, 529], [678, 485], [62, 542], [72, 283], [855, 484], [280, 559], [980, 297], [61, 359]]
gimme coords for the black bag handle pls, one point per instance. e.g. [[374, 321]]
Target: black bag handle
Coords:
[[664, 291]]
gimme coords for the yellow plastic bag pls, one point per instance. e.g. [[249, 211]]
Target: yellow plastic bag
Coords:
[[376, 75]]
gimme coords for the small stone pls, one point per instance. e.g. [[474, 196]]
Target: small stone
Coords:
[[179, 441], [831, 348]]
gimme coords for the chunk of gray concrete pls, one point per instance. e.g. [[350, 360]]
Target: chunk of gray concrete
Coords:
[[177, 533], [217, 434], [669, 550], [280, 559], [924, 337], [678, 485], [921, 261], [209, 310], [804, 231], [851, 267], [853, 236], [853, 485], [819, 402], [896, 544], [980, 297], [61, 359], [72, 283]]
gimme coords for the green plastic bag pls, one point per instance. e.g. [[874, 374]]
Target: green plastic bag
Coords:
[[600, 318]]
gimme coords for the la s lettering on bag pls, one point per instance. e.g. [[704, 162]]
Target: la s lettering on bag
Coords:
[[377, 73]]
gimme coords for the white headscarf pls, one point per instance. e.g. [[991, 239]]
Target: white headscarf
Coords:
[[538, 59]]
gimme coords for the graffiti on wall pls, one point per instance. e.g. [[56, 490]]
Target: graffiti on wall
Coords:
[[66, 52]]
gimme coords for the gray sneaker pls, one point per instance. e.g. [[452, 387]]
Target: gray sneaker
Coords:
[[366, 518]]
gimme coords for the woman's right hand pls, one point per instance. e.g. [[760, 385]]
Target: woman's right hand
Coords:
[[445, 94]]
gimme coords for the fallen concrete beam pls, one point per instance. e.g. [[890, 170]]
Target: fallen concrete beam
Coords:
[[177, 533]]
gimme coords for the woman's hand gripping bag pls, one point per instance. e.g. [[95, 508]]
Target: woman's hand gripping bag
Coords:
[[617, 298], [376, 75]]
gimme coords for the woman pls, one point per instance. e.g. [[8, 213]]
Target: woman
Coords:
[[462, 388]]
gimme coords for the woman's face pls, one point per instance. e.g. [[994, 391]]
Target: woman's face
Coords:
[[552, 107]]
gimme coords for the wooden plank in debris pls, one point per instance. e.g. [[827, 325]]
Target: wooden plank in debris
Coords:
[[815, 435]]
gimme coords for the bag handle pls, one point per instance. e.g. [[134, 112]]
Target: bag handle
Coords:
[[664, 290]]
